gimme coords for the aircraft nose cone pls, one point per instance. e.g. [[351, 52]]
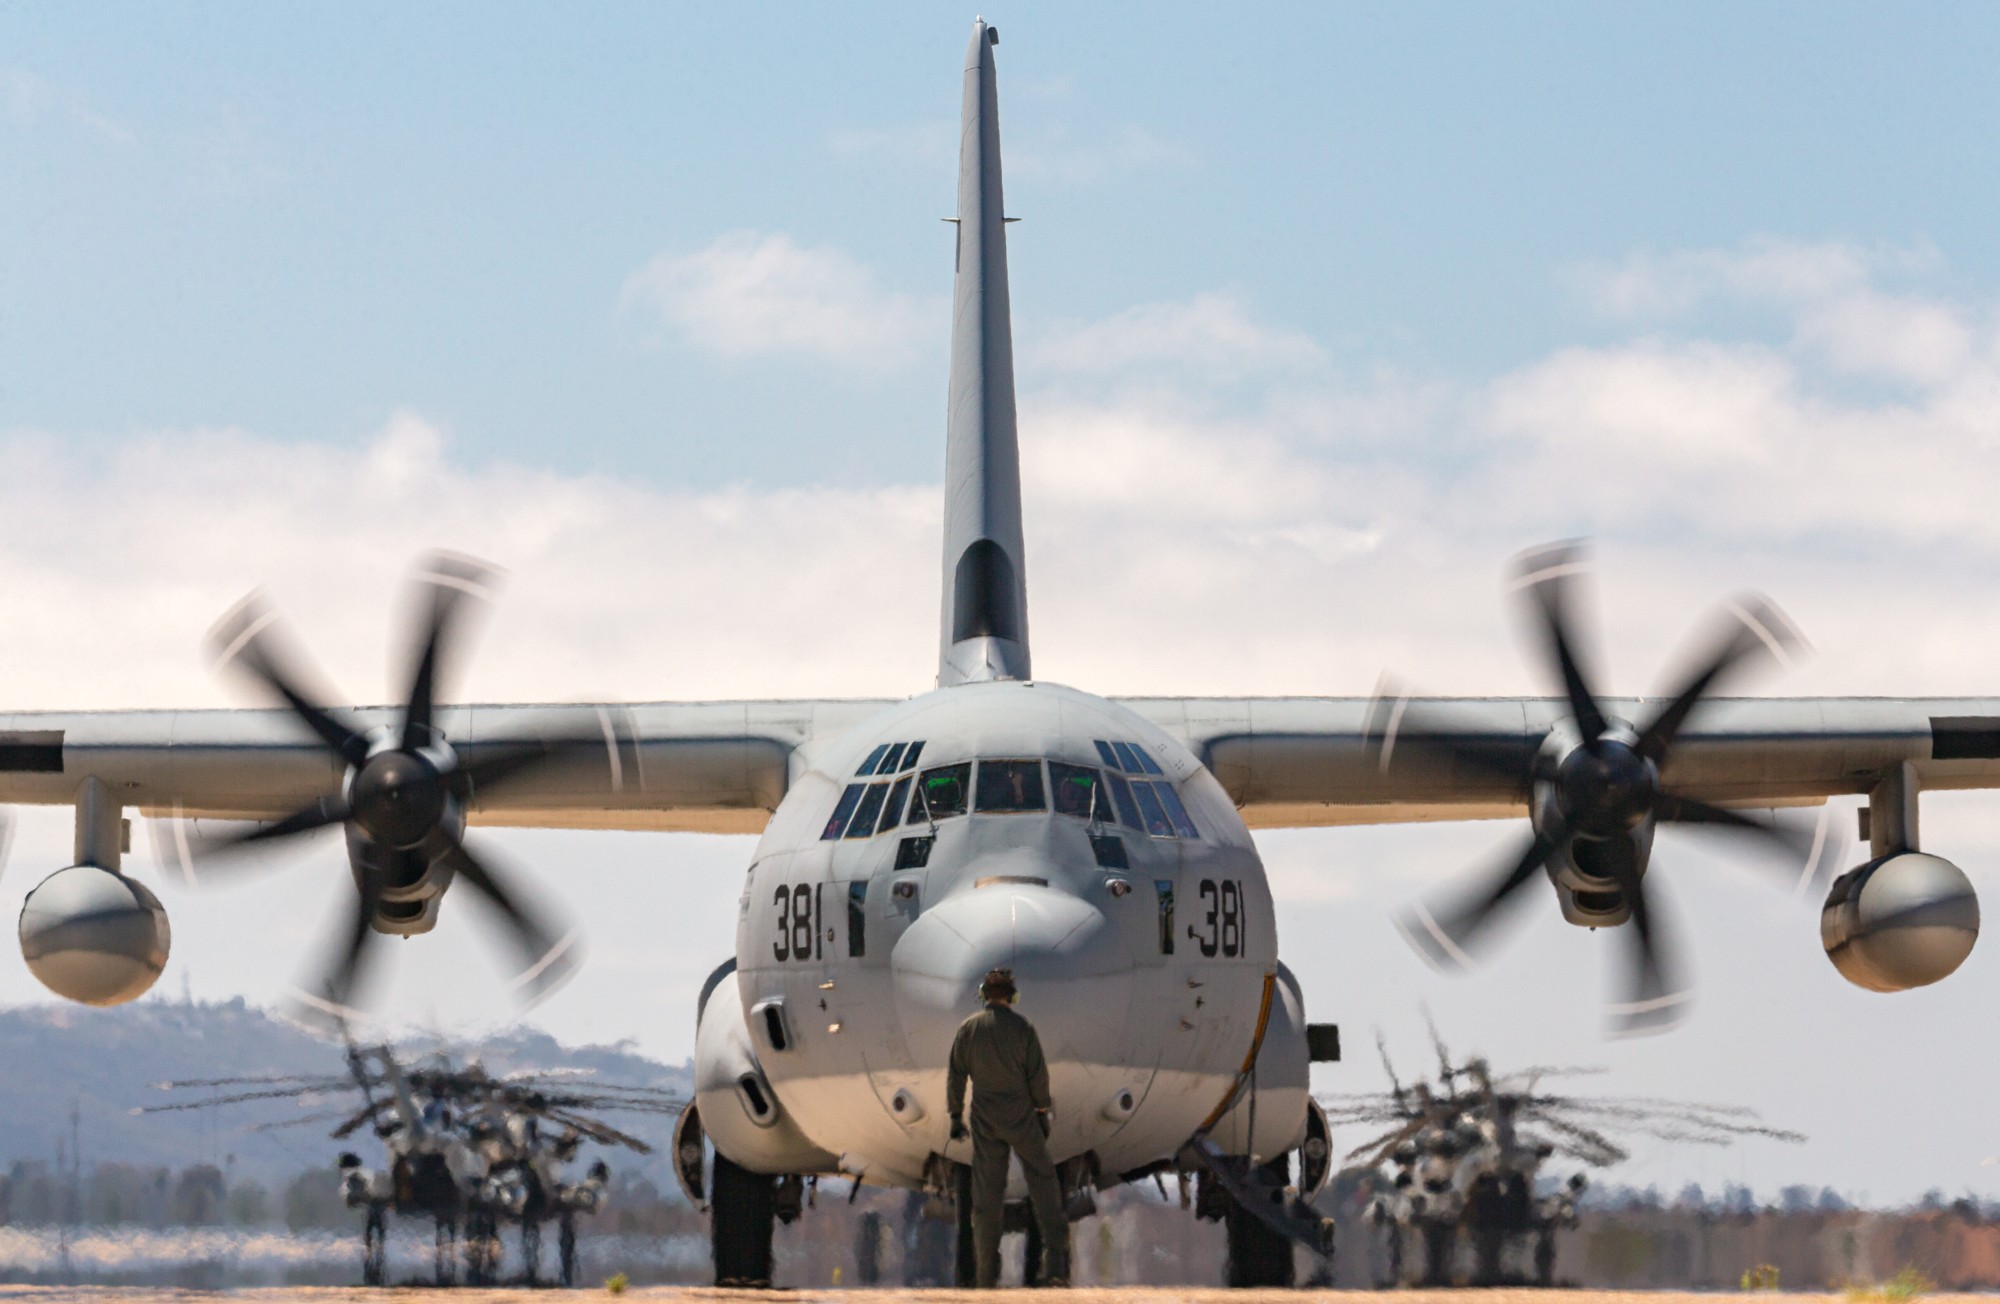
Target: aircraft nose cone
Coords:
[[1070, 963]]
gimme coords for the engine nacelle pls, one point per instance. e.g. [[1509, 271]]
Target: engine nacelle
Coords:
[[738, 1109], [94, 936], [1900, 921]]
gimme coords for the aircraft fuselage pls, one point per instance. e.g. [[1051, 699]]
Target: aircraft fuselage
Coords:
[[1040, 829]]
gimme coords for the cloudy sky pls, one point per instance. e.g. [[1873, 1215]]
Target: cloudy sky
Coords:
[[1320, 317]]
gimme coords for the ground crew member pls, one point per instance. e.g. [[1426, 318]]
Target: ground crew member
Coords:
[[998, 1050]]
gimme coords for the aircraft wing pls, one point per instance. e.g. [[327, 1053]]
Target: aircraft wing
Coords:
[[710, 767], [1299, 762]]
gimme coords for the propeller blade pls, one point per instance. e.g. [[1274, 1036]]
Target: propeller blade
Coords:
[[333, 998], [1753, 628], [1446, 942], [1792, 840], [550, 959], [1544, 574], [505, 763], [325, 811], [445, 581], [1656, 1000], [246, 638]]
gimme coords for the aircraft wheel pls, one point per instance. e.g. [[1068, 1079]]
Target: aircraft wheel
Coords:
[[566, 1249], [1258, 1254], [374, 1248], [742, 1210]]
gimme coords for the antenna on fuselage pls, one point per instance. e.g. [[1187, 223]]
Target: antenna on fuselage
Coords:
[[985, 616]]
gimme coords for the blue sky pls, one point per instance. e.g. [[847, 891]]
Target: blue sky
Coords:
[[1321, 314], [297, 220]]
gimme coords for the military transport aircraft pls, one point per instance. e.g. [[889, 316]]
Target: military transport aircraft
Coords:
[[1100, 847]]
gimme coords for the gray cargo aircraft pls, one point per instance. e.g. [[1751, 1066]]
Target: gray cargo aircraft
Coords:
[[1099, 847]]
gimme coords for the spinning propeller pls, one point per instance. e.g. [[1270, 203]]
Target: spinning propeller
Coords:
[[1597, 794], [405, 793]]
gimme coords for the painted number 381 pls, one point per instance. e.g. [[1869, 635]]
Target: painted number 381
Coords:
[[1223, 920], [798, 923]]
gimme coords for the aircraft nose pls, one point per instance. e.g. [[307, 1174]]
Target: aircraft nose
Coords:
[[1069, 962]]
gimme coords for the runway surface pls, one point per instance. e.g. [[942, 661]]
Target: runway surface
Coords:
[[709, 1295]]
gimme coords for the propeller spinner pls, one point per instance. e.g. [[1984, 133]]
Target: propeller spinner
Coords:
[[1597, 793], [404, 797]]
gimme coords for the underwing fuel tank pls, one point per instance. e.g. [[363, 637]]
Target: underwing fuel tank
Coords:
[[1900, 921], [94, 936], [739, 1111]]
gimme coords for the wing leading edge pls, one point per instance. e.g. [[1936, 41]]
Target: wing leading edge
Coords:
[[1301, 762], [708, 767]]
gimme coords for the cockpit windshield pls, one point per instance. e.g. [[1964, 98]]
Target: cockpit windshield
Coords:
[[1010, 787], [942, 793]]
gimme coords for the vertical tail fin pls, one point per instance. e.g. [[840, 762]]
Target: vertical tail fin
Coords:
[[985, 568]]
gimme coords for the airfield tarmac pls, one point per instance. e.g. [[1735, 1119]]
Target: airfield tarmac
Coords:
[[710, 1295]]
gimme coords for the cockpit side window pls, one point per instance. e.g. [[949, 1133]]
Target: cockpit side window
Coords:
[[874, 759], [892, 813], [870, 807], [837, 823], [1146, 761], [1176, 810], [1151, 812], [1074, 789], [893, 761], [910, 757], [943, 790], [1010, 787], [1128, 758], [1128, 809], [1108, 756]]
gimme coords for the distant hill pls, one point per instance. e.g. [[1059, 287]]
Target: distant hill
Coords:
[[102, 1062]]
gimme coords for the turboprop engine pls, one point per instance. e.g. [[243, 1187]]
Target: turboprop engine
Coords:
[[1902, 920], [95, 936]]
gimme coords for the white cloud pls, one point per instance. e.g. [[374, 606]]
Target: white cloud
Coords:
[[1184, 536], [1211, 336], [749, 293]]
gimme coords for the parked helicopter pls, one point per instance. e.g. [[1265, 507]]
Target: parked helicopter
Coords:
[[470, 1151], [1465, 1155]]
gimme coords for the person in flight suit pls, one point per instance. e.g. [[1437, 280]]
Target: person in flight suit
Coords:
[[998, 1051]]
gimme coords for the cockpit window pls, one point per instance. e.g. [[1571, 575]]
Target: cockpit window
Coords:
[[870, 807], [1074, 788], [1176, 811], [1108, 756], [943, 791], [1010, 787], [837, 824], [874, 759], [892, 814], [1128, 809], [910, 757], [1151, 813], [893, 761]]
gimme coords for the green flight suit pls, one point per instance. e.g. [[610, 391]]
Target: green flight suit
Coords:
[[999, 1052]]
